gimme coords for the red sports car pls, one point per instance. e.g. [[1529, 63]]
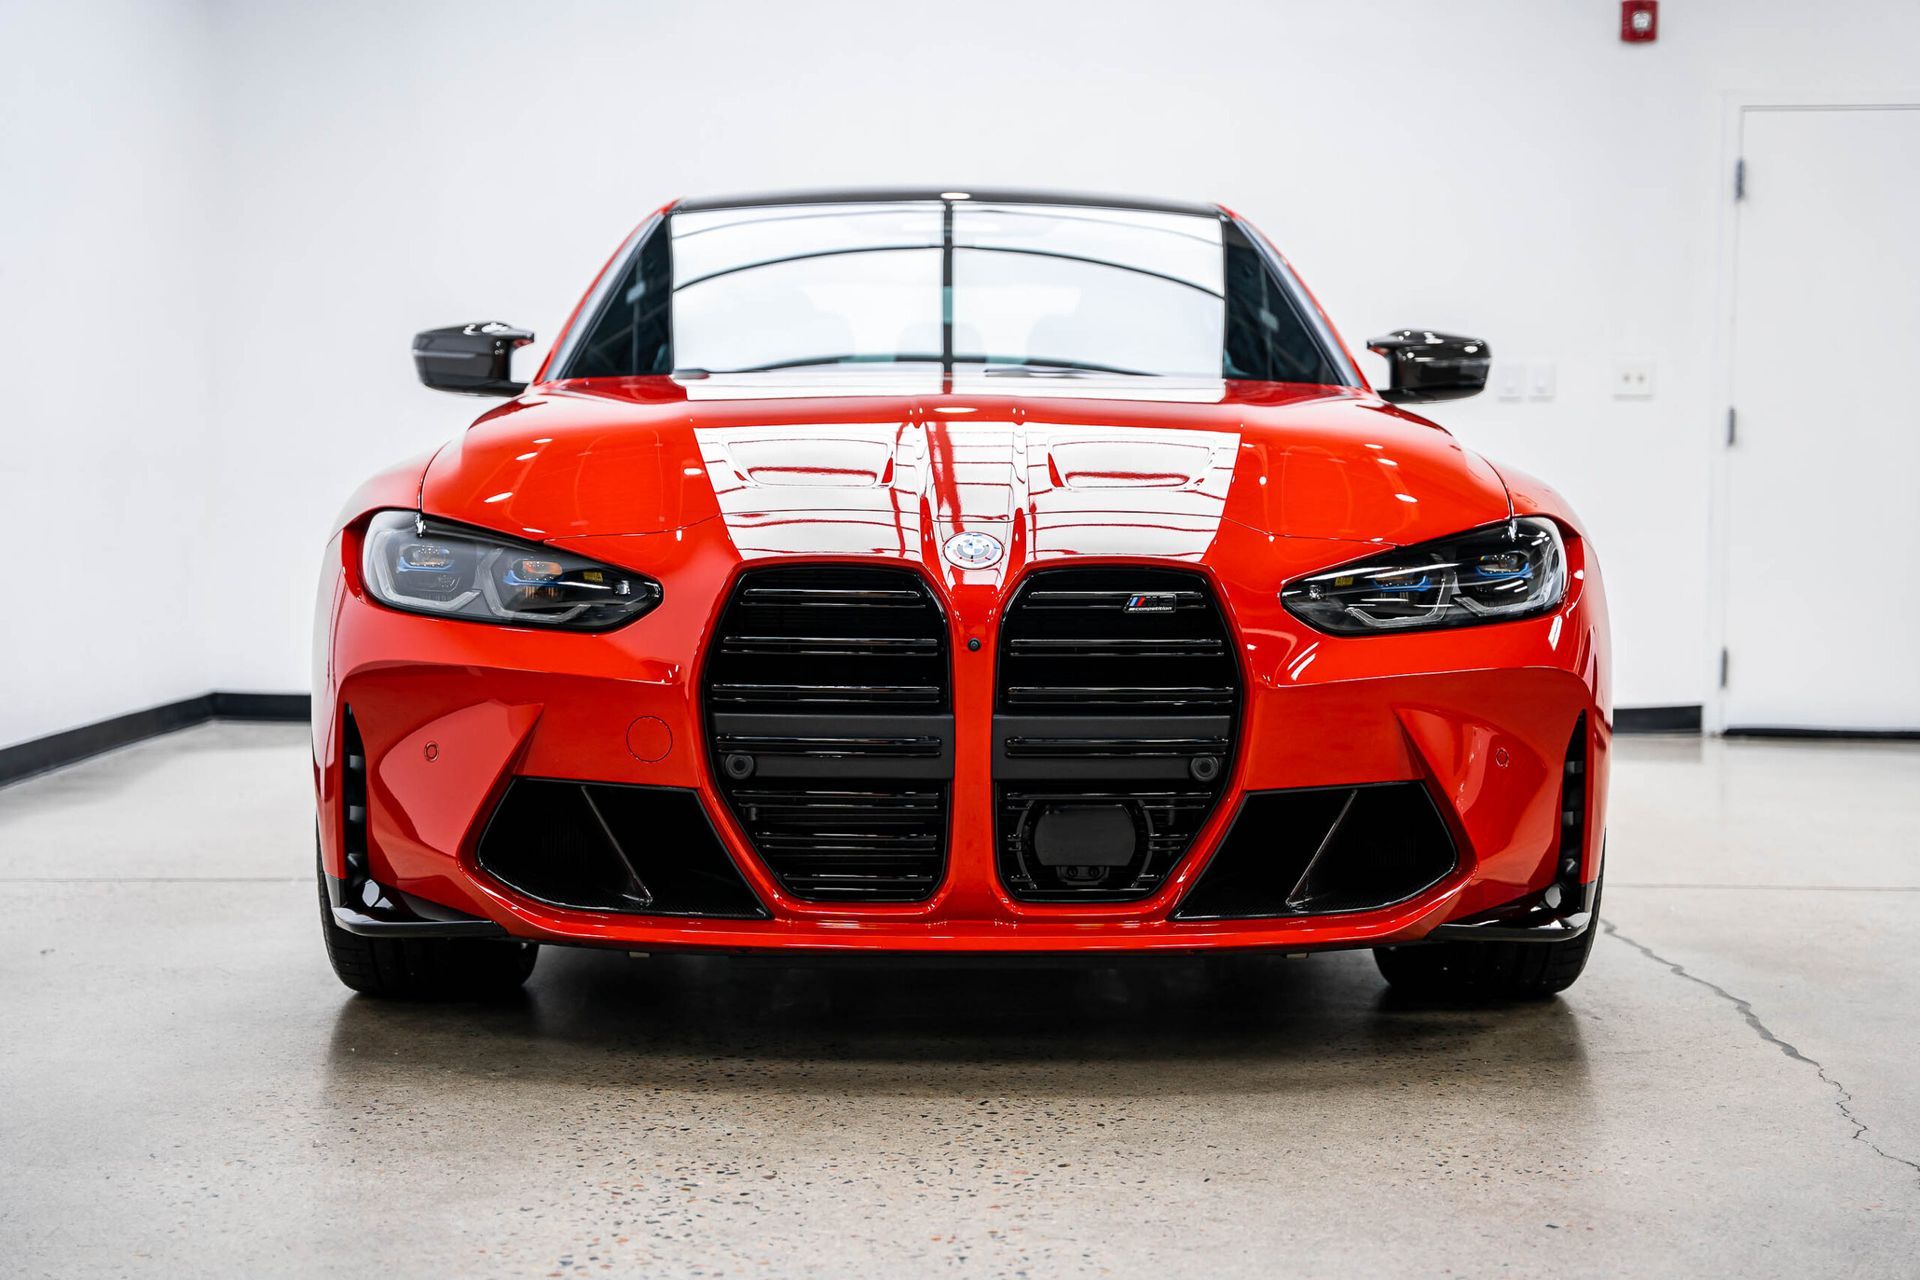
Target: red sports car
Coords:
[[899, 571]]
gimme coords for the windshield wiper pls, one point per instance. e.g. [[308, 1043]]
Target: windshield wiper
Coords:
[[1007, 366], [1026, 366], [810, 362]]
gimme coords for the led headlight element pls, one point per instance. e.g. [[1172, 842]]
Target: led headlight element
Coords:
[[1514, 569], [423, 566]]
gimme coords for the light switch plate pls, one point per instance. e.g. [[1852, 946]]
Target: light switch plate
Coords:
[[1510, 380], [1540, 380]]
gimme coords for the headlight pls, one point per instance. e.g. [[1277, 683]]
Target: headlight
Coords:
[[1514, 569], [423, 566]]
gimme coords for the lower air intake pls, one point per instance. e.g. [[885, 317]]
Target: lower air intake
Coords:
[[606, 847], [1323, 850]]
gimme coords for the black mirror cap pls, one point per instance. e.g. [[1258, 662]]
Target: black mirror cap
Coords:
[[1427, 366], [470, 359]]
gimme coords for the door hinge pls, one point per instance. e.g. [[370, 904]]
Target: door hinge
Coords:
[[1740, 178], [1723, 668], [1733, 426]]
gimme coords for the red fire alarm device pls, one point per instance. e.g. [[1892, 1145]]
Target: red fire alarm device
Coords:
[[1639, 21]]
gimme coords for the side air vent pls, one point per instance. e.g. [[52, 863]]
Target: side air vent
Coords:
[[1323, 850], [355, 898], [830, 728], [1117, 695], [610, 847], [358, 887], [1573, 817]]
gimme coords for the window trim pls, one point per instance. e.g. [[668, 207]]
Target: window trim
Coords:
[[593, 310], [1304, 310]]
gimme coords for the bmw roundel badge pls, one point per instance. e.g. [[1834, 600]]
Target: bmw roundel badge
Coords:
[[973, 550]]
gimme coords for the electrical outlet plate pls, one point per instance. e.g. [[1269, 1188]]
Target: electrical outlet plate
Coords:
[[1633, 380]]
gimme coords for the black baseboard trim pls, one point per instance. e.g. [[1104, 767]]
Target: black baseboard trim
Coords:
[[1684, 719], [1845, 735], [40, 755], [297, 707]]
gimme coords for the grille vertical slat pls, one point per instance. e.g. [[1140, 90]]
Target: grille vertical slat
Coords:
[[828, 717], [1117, 694]]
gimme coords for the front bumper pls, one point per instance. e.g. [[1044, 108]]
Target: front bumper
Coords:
[[449, 714]]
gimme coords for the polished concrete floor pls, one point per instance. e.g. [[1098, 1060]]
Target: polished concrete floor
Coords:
[[1734, 1087]]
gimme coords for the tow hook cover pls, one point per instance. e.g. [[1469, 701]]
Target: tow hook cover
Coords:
[[1084, 835]]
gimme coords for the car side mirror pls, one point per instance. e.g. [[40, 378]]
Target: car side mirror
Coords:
[[1424, 365], [471, 359]]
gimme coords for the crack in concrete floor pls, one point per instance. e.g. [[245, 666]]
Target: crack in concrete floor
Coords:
[[1843, 1100]]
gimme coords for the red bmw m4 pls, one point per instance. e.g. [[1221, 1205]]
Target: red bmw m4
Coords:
[[898, 571]]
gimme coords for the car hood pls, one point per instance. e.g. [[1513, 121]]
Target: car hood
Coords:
[[1125, 468]]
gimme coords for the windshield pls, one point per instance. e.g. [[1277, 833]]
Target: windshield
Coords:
[[1054, 289]]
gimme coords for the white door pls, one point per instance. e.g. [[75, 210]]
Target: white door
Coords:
[[1823, 520]]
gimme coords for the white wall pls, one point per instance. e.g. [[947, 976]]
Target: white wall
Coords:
[[106, 181], [1505, 169]]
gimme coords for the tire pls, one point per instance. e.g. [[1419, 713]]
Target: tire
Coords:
[[1489, 970], [424, 968]]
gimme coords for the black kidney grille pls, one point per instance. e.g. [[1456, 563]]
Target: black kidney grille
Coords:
[[831, 737], [829, 637], [848, 842], [1117, 690], [1115, 640]]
